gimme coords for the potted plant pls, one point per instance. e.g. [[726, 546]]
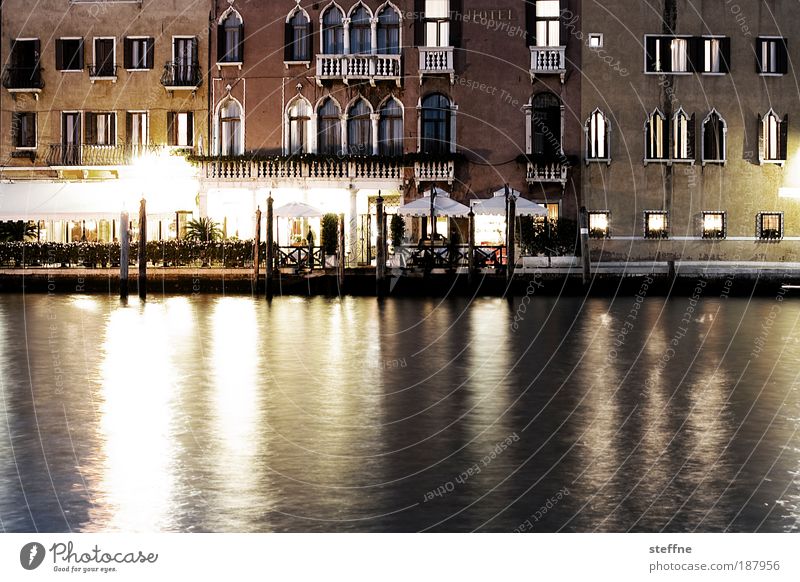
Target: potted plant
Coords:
[[329, 238], [397, 232]]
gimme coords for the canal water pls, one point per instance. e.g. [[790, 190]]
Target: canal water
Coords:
[[229, 414]]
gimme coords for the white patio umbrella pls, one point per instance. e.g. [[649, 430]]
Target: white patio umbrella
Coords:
[[297, 210], [441, 205], [496, 205]]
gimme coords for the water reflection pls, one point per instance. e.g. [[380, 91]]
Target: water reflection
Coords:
[[234, 414]]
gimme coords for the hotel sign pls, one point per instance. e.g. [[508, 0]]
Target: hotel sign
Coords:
[[478, 15]]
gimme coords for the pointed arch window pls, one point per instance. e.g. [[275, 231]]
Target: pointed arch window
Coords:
[[546, 128], [329, 134], [332, 32], [298, 38], [682, 136], [773, 138], [230, 128], [390, 133], [360, 31], [598, 132], [299, 119], [359, 129], [435, 121], [656, 137], [230, 39], [388, 31], [714, 135]]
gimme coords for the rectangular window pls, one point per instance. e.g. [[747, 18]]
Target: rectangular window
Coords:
[[772, 56], [770, 225], [552, 210], [69, 54], [101, 128], [24, 129], [136, 128], [437, 23], [599, 224], [104, 64], [656, 224], [714, 225], [667, 54], [712, 55], [139, 53], [595, 40], [180, 128], [548, 23]]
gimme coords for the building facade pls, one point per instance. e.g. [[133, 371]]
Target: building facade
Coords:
[[688, 111], [331, 103], [97, 99]]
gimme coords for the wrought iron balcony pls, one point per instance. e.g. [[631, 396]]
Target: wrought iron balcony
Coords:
[[103, 72], [181, 76], [23, 79], [548, 60], [436, 61], [359, 67]]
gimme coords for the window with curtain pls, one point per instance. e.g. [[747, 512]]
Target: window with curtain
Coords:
[[597, 146], [390, 134], [437, 23], [332, 32], [299, 40], [136, 129], [774, 134], [329, 132], [360, 31], [436, 112], [656, 136], [299, 121], [682, 136], [230, 129], [548, 23], [231, 39], [359, 129], [388, 32]]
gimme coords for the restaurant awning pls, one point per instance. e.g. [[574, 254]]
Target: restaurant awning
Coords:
[[297, 210], [496, 205], [87, 200], [443, 205]]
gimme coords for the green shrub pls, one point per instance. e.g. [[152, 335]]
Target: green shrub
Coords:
[[329, 233]]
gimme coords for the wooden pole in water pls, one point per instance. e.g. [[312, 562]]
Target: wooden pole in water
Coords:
[[270, 249], [510, 238], [124, 250], [471, 247], [257, 250], [584, 226], [341, 253], [380, 260], [143, 249]]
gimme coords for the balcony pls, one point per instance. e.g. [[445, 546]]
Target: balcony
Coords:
[[372, 68], [320, 170], [548, 60], [436, 61], [103, 72], [181, 77], [93, 156], [23, 80], [435, 171], [542, 173]]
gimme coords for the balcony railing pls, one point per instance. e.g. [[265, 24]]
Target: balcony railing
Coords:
[[554, 172], [181, 76], [359, 67], [436, 61], [102, 71], [289, 169], [435, 171], [97, 155], [19, 79], [548, 60]]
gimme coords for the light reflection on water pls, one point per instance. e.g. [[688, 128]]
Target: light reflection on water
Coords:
[[232, 414]]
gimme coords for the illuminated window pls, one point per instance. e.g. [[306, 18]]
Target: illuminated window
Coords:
[[665, 54], [230, 129], [656, 224], [682, 136], [597, 137], [180, 128], [553, 209], [770, 225], [773, 138], [657, 137], [716, 55], [548, 23], [772, 56], [714, 224], [599, 224], [595, 40], [101, 128], [437, 23]]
